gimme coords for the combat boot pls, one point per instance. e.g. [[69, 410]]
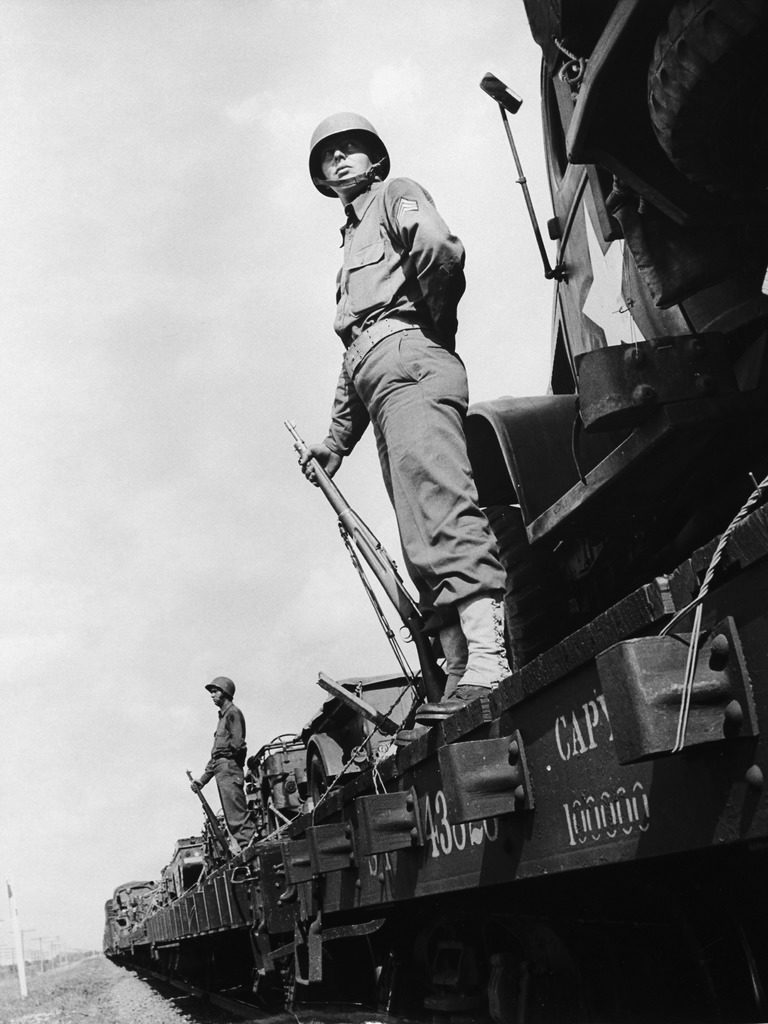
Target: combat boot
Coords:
[[477, 642], [454, 647]]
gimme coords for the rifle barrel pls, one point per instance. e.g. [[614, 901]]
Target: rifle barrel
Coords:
[[383, 568]]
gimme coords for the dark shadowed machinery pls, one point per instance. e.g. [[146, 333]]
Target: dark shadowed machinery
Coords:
[[591, 845]]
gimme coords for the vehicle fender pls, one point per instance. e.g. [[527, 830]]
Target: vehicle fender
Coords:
[[330, 752], [530, 451]]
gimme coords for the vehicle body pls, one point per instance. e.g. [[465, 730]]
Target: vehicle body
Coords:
[[184, 867], [276, 782], [659, 325], [109, 941], [592, 845], [124, 915], [340, 742]]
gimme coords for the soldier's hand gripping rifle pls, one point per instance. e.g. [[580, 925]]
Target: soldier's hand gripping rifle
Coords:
[[384, 569], [213, 821]]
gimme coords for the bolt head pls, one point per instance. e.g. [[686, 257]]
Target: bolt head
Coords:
[[644, 394], [734, 713], [754, 776]]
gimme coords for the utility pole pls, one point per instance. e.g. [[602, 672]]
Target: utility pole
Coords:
[[26, 947], [17, 942]]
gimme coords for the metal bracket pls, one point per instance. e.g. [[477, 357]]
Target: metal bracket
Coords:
[[642, 682], [388, 821], [619, 386], [313, 937], [310, 939], [265, 961], [330, 847], [485, 778], [298, 867]]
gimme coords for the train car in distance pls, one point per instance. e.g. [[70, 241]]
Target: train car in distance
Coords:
[[124, 915]]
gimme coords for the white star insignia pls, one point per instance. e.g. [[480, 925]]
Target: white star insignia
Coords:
[[605, 304]]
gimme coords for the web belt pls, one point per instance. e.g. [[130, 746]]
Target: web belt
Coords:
[[369, 338]]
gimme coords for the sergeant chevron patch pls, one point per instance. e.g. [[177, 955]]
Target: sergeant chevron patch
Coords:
[[406, 206]]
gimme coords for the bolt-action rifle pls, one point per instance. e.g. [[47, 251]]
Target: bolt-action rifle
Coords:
[[384, 569], [213, 821]]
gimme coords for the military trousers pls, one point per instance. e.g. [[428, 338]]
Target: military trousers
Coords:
[[416, 395], [230, 782]]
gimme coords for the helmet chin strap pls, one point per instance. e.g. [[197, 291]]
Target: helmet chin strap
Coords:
[[358, 179]]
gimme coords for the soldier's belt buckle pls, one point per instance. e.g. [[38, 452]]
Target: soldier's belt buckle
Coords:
[[363, 344], [357, 351]]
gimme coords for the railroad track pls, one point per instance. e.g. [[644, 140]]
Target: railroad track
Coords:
[[227, 1004], [242, 1010]]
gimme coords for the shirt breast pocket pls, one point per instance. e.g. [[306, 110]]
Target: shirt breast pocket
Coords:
[[368, 278]]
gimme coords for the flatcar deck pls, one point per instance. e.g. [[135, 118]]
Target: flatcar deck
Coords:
[[532, 789]]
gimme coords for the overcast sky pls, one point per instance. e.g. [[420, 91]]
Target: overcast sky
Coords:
[[167, 299]]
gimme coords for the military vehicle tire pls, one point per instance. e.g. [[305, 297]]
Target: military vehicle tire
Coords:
[[325, 763], [325, 760], [708, 96], [535, 598]]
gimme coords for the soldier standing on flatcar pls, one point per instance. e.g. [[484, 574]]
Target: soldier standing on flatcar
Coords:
[[397, 294], [227, 760]]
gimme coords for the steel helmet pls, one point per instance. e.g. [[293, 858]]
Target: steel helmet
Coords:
[[337, 124], [222, 683]]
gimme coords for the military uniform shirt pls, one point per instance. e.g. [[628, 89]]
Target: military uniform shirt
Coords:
[[228, 740], [400, 260]]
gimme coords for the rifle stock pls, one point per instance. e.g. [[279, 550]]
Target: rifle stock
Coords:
[[213, 821], [385, 571]]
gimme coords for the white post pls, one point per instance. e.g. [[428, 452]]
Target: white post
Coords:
[[17, 942]]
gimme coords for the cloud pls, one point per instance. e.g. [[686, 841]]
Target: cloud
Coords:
[[396, 87], [24, 655], [264, 108], [251, 109]]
